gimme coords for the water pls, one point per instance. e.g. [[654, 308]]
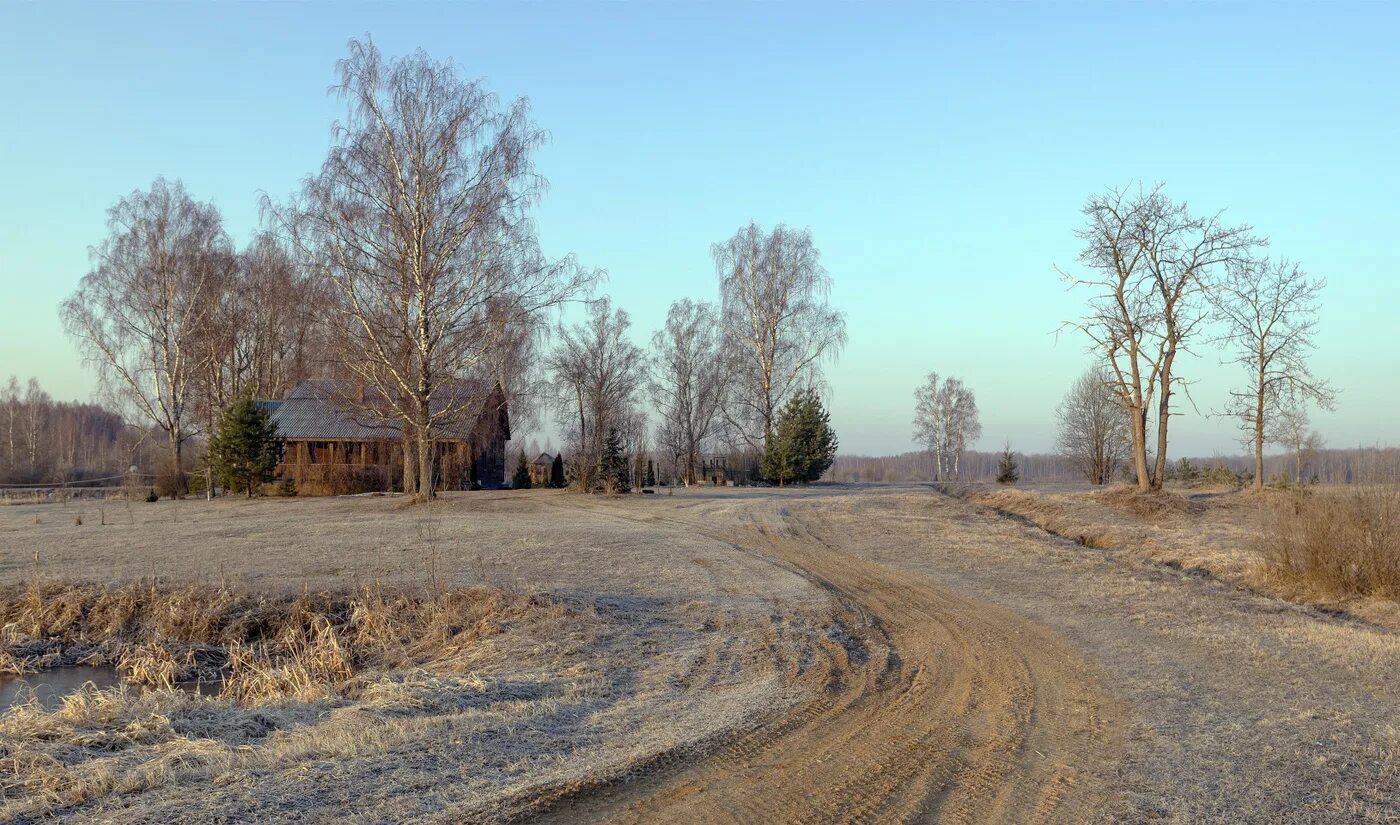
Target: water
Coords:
[[51, 686]]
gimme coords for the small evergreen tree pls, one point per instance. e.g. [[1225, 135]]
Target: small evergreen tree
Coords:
[[245, 449], [804, 445], [521, 481], [651, 474], [556, 473], [613, 475], [1007, 473]]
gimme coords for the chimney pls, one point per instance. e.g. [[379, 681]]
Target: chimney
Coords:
[[360, 391]]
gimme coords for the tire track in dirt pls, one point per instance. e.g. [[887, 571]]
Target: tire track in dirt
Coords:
[[928, 707]]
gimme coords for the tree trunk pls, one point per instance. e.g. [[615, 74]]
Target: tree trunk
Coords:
[[177, 446], [1159, 470], [1259, 436], [410, 477], [425, 454], [1144, 479]]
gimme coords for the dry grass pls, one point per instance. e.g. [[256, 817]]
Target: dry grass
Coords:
[[261, 649], [453, 691], [1151, 504], [1336, 541]]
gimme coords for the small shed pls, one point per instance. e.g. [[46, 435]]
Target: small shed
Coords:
[[540, 470]]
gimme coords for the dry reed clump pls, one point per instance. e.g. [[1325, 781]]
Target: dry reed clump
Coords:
[[1339, 542], [261, 649], [306, 678]]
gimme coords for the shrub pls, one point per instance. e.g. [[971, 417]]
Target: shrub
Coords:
[[1336, 541]]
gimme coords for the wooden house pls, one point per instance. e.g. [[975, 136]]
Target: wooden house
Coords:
[[540, 470], [339, 442]]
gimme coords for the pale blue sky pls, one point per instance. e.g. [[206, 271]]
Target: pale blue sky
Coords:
[[939, 154]]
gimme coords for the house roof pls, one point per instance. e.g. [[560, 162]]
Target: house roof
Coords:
[[329, 410], [543, 458]]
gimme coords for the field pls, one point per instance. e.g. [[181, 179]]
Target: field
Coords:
[[850, 653]]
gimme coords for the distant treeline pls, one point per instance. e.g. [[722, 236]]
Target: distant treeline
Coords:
[[43, 441], [1332, 466]]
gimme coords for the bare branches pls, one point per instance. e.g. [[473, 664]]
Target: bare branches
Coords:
[[773, 297], [1149, 264], [1269, 312], [688, 380], [597, 371], [945, 422], [419, 222], [139, 314], [1094, 431]]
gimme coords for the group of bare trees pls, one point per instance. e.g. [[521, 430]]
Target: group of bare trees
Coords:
[[598, 373], [946, 421], [688, 379], [408, 265], [1162, 278], [419, 224], [178, 323], [45, 441], [715, 375], [1093, 426]]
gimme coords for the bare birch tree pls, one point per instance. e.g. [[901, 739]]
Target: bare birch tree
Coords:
[[777, 323], [10, 411], [1269, 311], [139, 314], [1291, 429], [1152, 263], [597, 372], [688, 378], [419, 221], [1094, 432], [946, 420]]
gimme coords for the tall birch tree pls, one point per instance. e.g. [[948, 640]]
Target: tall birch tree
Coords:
[[139, 315], [778, 324], [419, 222]]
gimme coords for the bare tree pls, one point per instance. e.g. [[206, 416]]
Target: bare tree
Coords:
[[419, 222], [1152, 263], [1094, 428], [1269, 309], [139, 313], [597, 371], [1290, 428], [945, 421], [777, 322], [688, 379], [10, 407]]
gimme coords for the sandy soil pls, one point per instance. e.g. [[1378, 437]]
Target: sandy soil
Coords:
[[865, 654]]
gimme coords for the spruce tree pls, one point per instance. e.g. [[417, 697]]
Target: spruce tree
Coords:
[[804, 445], [1007, 473], [521, 481], [651, 474], [612, 467], [556, 473], [245, 449]]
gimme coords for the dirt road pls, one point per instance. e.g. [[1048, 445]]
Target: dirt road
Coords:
[[929, 707]]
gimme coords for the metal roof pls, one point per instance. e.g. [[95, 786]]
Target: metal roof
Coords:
[[328, 410]]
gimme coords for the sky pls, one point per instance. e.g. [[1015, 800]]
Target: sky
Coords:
[[939, 153]]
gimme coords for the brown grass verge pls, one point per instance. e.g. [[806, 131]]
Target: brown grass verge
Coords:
[[261, 649], [1336, 541], [311, 676]]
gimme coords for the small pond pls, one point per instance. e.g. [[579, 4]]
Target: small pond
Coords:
[[51, 686]]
